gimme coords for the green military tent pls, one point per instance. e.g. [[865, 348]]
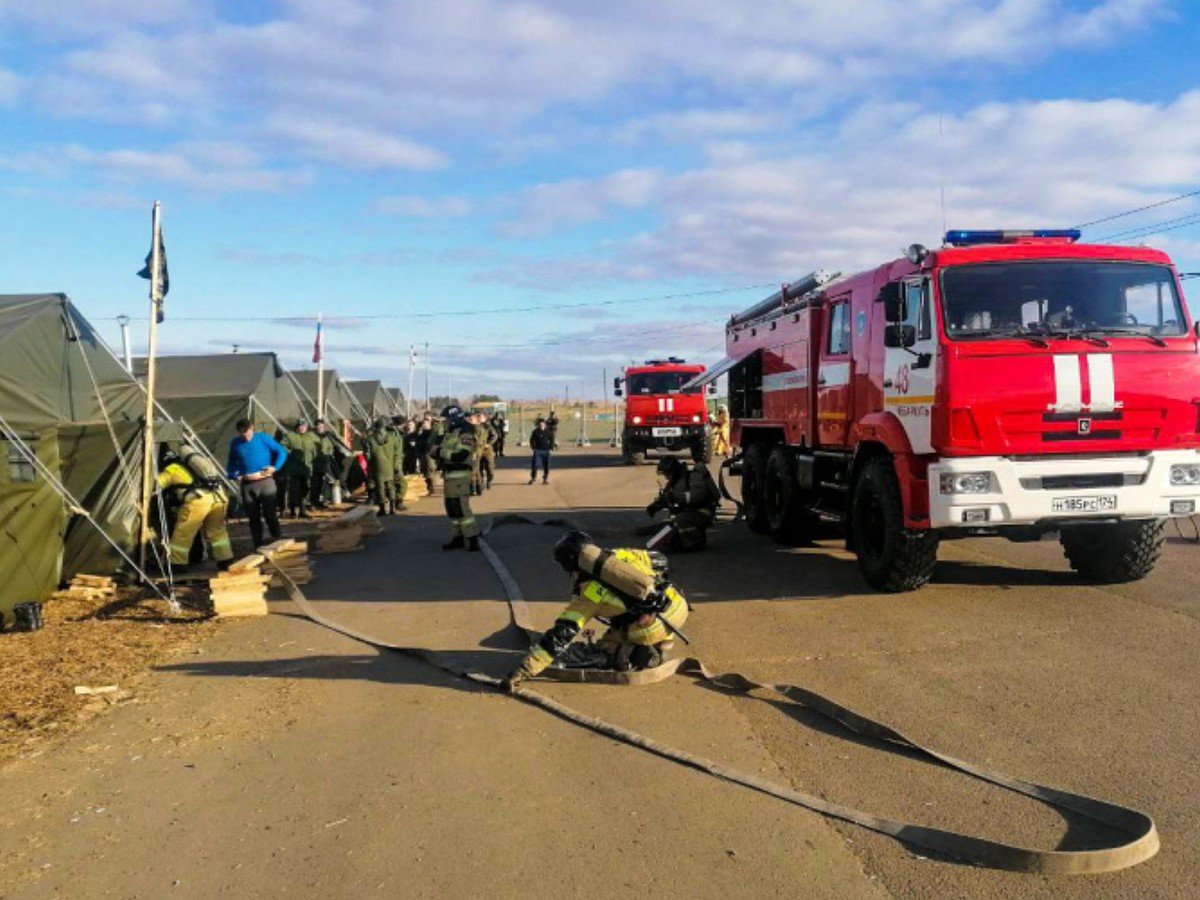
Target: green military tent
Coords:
[[66, 397], [398, 405], [373, 398], [211, 392], [341, 405]]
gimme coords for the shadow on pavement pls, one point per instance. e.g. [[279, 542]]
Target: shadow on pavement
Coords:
[[383, 667]]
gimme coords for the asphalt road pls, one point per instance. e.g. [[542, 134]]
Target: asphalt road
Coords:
[[286, 760]]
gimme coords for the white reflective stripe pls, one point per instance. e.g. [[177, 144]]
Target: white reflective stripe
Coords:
[[1103, 385], [834, 374], [1068, 384], [785, 381]]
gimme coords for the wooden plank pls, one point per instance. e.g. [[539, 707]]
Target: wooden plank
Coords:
[[247, 563]]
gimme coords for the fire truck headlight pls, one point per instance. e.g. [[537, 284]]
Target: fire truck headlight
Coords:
[[696, 419], [1187, 474], [637, 420], [966, 483]]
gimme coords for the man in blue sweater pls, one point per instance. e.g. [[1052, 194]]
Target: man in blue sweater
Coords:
[[253, 460]]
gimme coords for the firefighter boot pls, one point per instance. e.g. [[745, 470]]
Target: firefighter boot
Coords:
[[456, 543], [473, 544]]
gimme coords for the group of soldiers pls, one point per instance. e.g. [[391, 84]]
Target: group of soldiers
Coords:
[[385, 454]]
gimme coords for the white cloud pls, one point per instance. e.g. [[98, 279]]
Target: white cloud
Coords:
[[844, 204], [418, 207], [204, 167], [352, 146], [547, 207]]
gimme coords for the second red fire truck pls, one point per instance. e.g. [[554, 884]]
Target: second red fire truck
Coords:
[[1011, 383]]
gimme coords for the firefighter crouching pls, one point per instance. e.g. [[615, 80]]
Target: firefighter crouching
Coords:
[[692, 496], [192, 484], [455, 452], [626, 589]]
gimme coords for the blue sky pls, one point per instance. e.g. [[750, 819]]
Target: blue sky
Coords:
[[647, 167]]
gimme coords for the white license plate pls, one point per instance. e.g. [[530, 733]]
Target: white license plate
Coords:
[[667, 432], [1084, 504]]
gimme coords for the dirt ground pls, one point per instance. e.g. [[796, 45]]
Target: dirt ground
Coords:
[[87, 643]]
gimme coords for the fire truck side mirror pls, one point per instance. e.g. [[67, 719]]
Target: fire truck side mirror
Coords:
[[899, 335], [893, 302], [712, 388], [1196, 329], [617, 392]]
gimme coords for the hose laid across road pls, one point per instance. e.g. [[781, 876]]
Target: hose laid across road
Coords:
[[1142, 840]]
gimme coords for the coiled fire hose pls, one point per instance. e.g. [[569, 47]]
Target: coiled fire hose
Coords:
[[1142, 836]]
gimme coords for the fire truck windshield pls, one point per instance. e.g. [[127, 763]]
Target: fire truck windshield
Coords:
[[1059, 299], [660, 383]]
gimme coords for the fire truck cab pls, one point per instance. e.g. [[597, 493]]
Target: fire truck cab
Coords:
[[661, 412], [1008, 383]]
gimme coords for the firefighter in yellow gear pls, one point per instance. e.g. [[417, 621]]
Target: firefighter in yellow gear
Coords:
[[455, 452], [721, 445], [201, 504], [623, 587]]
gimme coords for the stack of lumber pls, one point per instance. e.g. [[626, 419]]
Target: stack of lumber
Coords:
[[416, 487], [291, 558], [87, 587], [345, 533], [241, 589]]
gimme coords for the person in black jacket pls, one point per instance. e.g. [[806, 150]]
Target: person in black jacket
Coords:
[[541, 442]]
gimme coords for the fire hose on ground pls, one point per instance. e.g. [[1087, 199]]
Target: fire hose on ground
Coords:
[[1142, 836]]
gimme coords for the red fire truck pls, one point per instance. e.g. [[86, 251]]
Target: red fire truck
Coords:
[[660, 413], [1011, 383]]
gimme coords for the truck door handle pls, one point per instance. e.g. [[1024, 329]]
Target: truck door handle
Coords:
[[820, 379], [887, 382]]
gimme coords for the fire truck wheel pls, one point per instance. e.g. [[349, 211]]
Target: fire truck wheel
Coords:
[[1114, 553], [754, 471], [789, 524], [892, 558], [702, 450]]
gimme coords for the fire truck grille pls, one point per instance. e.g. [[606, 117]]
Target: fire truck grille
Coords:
[[1082, 482], [667, 420], [1025, 430]]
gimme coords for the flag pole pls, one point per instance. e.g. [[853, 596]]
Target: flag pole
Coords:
[[412, 358], [151, 374], [320, 370], [427, 375]]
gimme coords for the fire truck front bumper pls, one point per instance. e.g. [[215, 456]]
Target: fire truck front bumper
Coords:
[[991, 491], [667, 437]]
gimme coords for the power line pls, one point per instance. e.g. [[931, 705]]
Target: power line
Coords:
[[1162, 227], [483, 312], [1130, 212]]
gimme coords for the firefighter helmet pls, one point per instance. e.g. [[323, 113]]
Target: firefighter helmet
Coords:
[[568, 548]]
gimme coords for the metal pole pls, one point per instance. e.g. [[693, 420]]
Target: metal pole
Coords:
[[320, 369], [412, 356], [148, 455], [427, 375], [123, 321]]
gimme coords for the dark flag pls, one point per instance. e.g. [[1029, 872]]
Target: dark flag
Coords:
[[164, 279]]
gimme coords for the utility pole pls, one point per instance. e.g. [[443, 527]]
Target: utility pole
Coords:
[[427, 375]]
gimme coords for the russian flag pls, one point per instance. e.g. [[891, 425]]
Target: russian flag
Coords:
[[317, 344]]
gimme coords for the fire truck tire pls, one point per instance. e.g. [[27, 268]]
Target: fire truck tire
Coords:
[[754, 471], [892, 558], [1114, 553], [787, 521], [702, 450]]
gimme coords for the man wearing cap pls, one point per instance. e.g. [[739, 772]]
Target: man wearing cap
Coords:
[[303, 447]]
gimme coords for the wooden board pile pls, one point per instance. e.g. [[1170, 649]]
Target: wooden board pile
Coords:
[[87, 587], [291, 557], [241, 589], [345, 533], [416, 487]]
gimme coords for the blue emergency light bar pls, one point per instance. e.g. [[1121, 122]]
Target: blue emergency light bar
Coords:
[[968, 238]]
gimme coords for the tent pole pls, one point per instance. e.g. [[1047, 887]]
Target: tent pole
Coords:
[[151, 373]]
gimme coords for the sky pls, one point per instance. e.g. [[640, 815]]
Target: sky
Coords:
[[543, 192]]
